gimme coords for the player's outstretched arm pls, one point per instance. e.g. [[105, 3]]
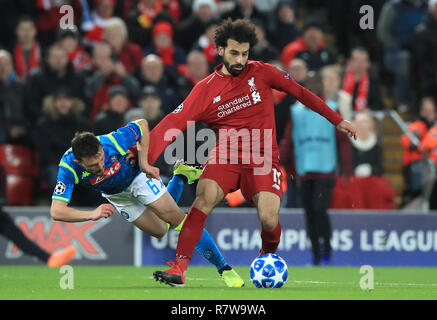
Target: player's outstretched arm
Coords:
[[143, 151], [60, 211], [281, 80]]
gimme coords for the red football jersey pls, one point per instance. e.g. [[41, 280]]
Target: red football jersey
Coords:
[[240, 110]]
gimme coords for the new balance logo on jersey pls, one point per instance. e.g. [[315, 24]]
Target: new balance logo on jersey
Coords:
[[216, 99], [256, 97]]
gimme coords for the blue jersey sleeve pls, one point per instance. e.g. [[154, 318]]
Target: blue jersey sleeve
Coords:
[[127, 136], [67, 178]]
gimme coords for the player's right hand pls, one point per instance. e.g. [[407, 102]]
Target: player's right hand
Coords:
[[103, 211], [151, 171], [348, 128]]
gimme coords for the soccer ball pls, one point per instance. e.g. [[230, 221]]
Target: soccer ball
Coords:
[[268, 271]]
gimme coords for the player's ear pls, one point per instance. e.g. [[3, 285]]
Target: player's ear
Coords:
[[221, 51]]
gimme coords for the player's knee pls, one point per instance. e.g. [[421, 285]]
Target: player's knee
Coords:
[[161, 232], [204, 203], [269, 222]]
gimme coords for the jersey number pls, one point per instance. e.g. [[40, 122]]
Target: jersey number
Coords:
[[276, 179], [152, 186], [276, 176]]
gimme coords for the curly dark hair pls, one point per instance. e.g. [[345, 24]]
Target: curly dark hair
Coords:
[[240, 30], [84, 145]]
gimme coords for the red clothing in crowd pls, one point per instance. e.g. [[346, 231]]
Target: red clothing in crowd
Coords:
[[23, 68], [372, 192], [293, 48], [349, 84], [131, 56], [101, 97], [49, 14], [80, 59]]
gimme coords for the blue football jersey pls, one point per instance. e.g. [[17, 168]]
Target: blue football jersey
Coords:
[[119, 173]]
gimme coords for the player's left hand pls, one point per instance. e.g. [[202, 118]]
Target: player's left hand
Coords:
[[347, 127], [151, 172]]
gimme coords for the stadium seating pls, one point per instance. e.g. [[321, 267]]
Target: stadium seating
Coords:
[[21, 167], [363, 193]]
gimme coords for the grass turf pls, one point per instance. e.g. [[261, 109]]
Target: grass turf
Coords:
[[203, 283]]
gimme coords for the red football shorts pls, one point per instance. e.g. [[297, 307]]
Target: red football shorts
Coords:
[[231, 177]]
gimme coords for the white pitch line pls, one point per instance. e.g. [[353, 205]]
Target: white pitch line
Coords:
[[393, 284], [407, 284]]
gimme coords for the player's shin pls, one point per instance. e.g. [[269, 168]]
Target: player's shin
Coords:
[[270, 239], [209, 250], [206, 245], [190, 235]]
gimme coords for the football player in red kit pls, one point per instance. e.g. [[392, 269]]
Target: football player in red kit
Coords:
[[236, 100]]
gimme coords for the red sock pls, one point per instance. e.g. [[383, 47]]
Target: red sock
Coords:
[[270, 239], [189, 236]]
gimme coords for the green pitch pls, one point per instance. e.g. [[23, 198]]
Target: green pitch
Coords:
[[126, 283]]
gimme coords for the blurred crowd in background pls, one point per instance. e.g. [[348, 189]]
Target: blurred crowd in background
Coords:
[[124, 60]]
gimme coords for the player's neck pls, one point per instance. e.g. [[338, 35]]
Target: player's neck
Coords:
[[224, 70]]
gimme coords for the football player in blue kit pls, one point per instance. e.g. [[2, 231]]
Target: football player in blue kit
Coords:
[[133, 188]]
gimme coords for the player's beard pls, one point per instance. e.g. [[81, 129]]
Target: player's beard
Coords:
[[231, 68]]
